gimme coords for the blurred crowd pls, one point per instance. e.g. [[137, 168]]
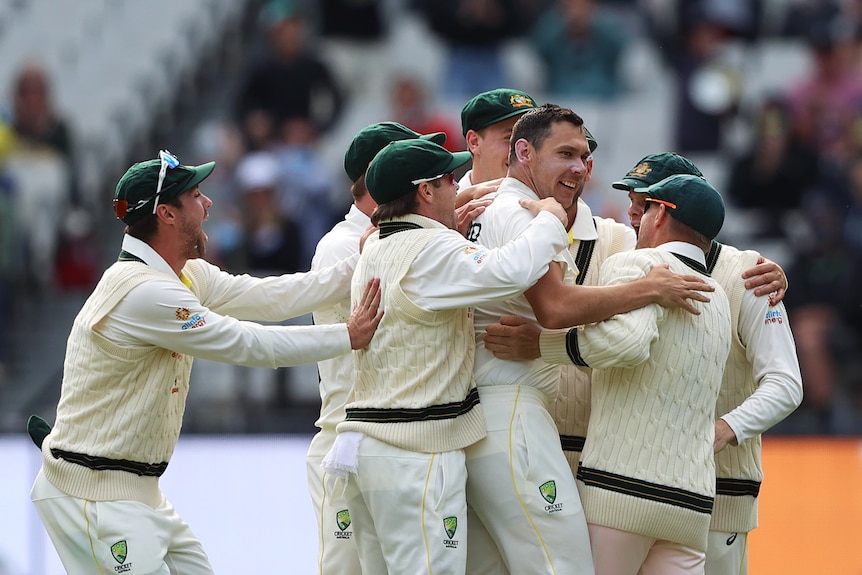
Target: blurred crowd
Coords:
[[791, 158]]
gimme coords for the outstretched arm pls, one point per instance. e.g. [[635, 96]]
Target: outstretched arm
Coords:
[[559, 306]]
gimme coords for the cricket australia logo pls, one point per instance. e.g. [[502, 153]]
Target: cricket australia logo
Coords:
[[548, 490], [120, 551], [450, 526], [342, 519]]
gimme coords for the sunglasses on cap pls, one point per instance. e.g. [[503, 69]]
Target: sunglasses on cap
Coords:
[[168, 161], [420, 180]]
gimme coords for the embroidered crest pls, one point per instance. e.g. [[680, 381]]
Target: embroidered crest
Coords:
[[640, 171], [521, 101]]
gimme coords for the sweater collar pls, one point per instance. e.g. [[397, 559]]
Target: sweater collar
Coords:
[[407, 222], [142, 251]]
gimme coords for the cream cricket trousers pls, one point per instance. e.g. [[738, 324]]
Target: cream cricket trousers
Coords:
[[336, 554], [102, 537], [617, 552], [727, 553], [408, 510], [521, 488]]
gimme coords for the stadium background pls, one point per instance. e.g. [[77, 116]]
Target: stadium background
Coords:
[[129, 78]]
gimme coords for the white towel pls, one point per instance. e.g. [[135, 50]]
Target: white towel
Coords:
[[343, 456]]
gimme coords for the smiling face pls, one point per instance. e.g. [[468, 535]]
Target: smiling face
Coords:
[[490, 149], [560, 166]]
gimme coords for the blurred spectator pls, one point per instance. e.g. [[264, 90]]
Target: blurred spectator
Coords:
[[353, 38], [272, 241], [695, 45], [474, 32], [290, 81], [581, 48], [776, 171], [825, 307], [39, 165], [410, 107], [37, 125], [222, 142], [306, 185], [824, 105]]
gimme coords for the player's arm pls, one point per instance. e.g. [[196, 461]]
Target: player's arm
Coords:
[[452, 272], [274, 298], [167, 315], [771, 350], [766, 278], [557, 305]]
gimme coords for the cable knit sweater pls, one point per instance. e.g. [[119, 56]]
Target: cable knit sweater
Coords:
[[647, 465]]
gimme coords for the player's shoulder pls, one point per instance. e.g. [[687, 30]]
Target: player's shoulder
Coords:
[[726, 256]]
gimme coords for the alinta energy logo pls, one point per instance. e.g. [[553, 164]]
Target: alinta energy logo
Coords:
[[450, 526], [548, 490], [342, 519], [120, 550]]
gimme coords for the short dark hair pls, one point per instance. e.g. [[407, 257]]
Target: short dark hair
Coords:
[[400, 206], [145, 228], [359, 190], [535, 125]]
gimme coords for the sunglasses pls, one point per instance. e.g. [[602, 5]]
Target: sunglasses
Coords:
[[168, 161], [662, 202], [420, 180]]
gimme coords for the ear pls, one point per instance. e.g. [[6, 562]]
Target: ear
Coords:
[[166, 213], [472, 138], [523, 150], [661, 216], [425, 193]]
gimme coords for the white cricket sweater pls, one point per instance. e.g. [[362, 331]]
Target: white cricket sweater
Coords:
[[414, 382], [120, 407], [647, 465], [571, 411]]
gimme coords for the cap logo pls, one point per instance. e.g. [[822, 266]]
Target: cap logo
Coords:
[[521, 101], [640, 171]]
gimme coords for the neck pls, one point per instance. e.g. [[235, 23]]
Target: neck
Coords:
[[480, 173], [170, 254]]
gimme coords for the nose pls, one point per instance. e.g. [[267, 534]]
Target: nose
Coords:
[[579, 167], [207, 201]]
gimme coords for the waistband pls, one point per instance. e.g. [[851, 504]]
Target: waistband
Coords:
[[492, 393], [105, 463]]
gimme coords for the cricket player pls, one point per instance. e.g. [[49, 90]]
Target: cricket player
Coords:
[[128, 361], [519, 483], [337, 546], [415, 406]]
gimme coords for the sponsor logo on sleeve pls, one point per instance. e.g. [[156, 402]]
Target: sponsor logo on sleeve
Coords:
[[774, 316], [478, 253]]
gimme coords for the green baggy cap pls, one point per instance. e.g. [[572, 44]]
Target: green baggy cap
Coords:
[[691, 200], [371, 139], [403, 165]]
